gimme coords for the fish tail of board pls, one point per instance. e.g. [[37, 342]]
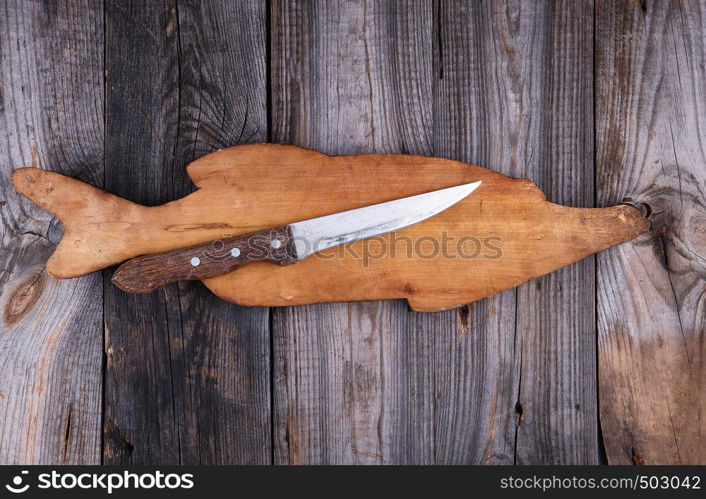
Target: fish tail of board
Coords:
[[96, 223]]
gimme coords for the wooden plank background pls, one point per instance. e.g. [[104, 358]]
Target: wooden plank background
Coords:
[[650, 132], [595, 102]]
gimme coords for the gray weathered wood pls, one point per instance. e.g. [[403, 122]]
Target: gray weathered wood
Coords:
[[515, 95], [373, 382], [556, 314], [475, 363], [353, 382], [505, 84], [651, 124], [51, 116], [188, 375]]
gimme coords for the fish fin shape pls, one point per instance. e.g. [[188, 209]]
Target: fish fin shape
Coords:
[[90, 235], [237, 165]]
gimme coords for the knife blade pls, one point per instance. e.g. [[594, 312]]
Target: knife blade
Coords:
[[286, 244]]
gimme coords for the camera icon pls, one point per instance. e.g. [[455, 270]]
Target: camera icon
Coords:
[[16, 486]]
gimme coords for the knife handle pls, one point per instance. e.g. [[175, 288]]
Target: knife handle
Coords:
[[146, 273]]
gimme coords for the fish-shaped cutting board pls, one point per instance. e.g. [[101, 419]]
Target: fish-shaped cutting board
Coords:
[[502, 236]]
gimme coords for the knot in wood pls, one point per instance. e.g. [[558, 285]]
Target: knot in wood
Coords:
[[22, 294]]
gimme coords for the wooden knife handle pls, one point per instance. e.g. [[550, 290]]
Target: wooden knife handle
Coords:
[[146, 273]]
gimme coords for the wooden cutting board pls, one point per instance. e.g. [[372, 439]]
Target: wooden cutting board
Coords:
[[502, 235]]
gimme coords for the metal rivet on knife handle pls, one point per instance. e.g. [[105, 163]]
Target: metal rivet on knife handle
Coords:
[[146, 273]]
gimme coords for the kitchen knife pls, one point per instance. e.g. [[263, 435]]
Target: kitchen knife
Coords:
[[285, 244]]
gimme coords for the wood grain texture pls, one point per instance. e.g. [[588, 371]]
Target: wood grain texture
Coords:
[[476, 359], [187, 378], [506, 125], [556, 322], [505, 84], [515, 94], [352, 382], [650, 118], [50, 331]]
